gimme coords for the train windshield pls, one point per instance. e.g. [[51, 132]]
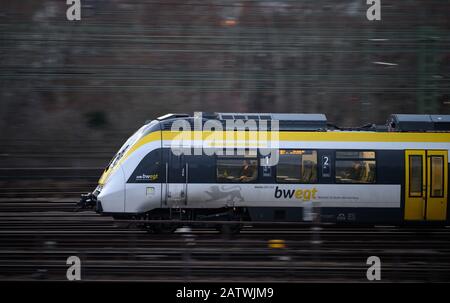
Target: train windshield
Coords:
[[140, 133]]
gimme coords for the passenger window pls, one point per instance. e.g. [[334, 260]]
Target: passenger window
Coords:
[[236, 170], [148, 170], [201, 169], [355, 154], [437, 179], [297, 166], [355, 167]]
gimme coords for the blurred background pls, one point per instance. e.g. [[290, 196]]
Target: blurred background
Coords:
[[73, 91]]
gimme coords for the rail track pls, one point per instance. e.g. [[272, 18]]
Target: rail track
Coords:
[[38, 235]]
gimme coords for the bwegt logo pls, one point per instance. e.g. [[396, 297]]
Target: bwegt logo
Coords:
[[300, 194], [240, 138]]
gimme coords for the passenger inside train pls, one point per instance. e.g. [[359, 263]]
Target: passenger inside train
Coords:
[[248, 172]]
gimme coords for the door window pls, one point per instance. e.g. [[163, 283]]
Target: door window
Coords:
[[415, 176], [437, 176]]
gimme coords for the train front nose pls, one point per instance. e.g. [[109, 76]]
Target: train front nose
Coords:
[[87, 201], [109, 197]]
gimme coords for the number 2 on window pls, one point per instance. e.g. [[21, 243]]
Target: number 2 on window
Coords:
[[326, 167]]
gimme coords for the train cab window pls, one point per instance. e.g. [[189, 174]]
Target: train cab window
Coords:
[[437, 176], [237, 170], [148, 170], [355, 167], [297, 166]]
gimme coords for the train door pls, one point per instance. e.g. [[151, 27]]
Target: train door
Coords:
[[437, 174], [426, 185], [176, 179]]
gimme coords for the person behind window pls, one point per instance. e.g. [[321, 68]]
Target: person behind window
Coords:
[[357, 171], [248, 172], [309, 172]]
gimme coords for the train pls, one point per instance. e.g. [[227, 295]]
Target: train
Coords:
[[278, 167]]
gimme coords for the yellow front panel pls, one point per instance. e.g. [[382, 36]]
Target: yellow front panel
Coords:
[[415, 178], [437, 180]]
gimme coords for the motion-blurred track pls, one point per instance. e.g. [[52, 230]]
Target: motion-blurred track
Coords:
[[37, 236]]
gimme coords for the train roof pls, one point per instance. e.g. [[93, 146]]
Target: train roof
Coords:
[[402, 122], [319, 122]]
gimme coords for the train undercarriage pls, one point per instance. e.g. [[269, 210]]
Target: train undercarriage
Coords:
[[167, 220]]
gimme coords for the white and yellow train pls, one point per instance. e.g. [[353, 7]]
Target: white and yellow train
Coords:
[[391, 174]]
